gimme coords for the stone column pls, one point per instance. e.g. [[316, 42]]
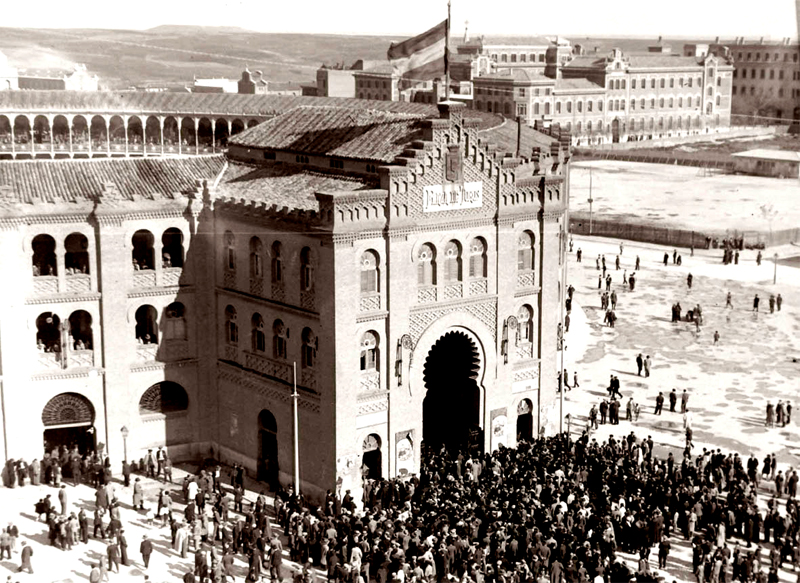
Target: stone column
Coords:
[[213, 136], [70, 121], [161, 130], [108, 133]]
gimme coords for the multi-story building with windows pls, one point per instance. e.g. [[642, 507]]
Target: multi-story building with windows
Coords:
[[618, 97], [392, 264], [766, 78]]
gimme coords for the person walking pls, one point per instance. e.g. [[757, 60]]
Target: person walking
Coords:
[[689, 279], [575, 384], [728, 302], [755, 303], [772, 304], [778, 302], [138, 495], [647, 363], [684, 401], [639, 364], [687, 419], [673, 400], [616, 263], [146, 548], [637, 264], [113, 556], [25, 555], [659, 403], [716, 336]]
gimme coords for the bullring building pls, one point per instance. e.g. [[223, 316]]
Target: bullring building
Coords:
[[402, 268]]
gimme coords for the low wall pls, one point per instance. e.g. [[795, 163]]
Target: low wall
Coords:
[[674, 237], [723, 133]]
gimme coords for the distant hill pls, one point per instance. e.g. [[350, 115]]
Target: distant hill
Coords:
[[172, 55]]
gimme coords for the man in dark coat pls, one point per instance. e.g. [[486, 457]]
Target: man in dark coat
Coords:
[[639, 364], [123, 546], [113, 556], [146, 548], [26, 554], [673, 400]]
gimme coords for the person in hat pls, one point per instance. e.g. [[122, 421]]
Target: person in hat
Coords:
[[146, 548]]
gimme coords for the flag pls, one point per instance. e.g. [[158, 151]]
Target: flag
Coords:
[[422, 57]]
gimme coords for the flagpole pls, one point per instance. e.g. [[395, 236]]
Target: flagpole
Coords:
[[447, 56]]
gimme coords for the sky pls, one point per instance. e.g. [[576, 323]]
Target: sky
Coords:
[[687, 18]]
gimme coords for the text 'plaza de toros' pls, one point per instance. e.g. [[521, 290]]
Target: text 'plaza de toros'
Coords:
[[405, 258]]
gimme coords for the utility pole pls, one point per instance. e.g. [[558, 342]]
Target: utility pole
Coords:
[[296, 432]]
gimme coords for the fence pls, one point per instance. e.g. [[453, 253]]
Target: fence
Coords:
[[674, 237], [721, 162]]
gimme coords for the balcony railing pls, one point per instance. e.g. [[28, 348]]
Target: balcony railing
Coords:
[[478, 287], [370, 381], [146, 352], [278, 369], [45, 285], [171, 275], [308, 300], [79, 358], [426, 295], [453, 291], [49, 361], [144, 278], [174, 350], [370, 303], [78, 282], [526, 279]]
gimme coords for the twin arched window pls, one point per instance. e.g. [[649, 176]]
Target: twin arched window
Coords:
[[309, 352], [277, 263], [525, 251], [256, 259], [426, 265], [231, 327], [306, 270], [258, 338], [452, 262], [279, 344], [370, 274], [525, 320], [230, 251], [477, 258], [369, 352]]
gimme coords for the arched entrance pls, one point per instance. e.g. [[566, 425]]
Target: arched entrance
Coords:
[[615, 131], [68, 421], [372, 458], [268, 449], [450, 375], [525, 420]]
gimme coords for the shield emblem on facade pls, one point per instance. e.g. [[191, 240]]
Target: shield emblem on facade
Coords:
[[453, 164]]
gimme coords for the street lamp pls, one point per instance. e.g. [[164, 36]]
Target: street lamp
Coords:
[[775, 271], [124, 431]]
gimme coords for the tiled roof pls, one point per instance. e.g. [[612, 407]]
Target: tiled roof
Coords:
[[505, 138], [53, 181], [765, 154], [567, 84], [335, 131], [637, 61], [137, 102], [284, 184], [515, 74]]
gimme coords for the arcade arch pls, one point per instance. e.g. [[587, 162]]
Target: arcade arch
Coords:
[[165, 398], [371, 457]]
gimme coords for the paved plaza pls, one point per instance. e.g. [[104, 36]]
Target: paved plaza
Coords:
[[729, 386]]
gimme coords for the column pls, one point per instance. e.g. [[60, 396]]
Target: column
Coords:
[[13, 138], [60, 268], [161, 130], [125, 120], [89, 130], [180, 127], [213, 136], [70, 121], [196, 139], [108, 134], [51, 119]]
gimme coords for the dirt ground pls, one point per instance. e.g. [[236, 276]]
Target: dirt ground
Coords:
[[683, 197]]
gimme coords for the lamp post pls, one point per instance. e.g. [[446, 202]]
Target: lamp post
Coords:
[[296, 431], [124, 431], [775, 271]]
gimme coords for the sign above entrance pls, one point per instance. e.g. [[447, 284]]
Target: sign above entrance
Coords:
[[451, 197]]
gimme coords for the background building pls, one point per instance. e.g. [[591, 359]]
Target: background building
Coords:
[[385, 253], [766, 78], [617, 97]]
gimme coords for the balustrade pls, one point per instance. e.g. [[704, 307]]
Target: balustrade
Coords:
[[144, 278], [453, 291], [278, 369], [370, 381], [79, 358], [45, 285], [478, 287], [426, 295], [146, 352], [78, 282], [370, 303]]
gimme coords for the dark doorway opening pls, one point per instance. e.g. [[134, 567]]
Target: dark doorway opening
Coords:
[[268, 449], [372, 459], [615, 131], [525, 420], [70, 437], [451, 409]]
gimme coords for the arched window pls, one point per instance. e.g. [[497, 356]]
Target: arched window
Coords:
[[44, 255], [547, 108], [256, 258], [306, 270], [370, 280], [369, 351], [172, 248], [258, 337], [76, 257], [165, 398], [143, 253], [426, 265], [525, 252], [175, 322], [230, 251], [477, 258], [231, 327], [309, 353], [525, 320], [452, 262], [147, 325], [279, 344], [48, 332], [80, 330], [277, 263]]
